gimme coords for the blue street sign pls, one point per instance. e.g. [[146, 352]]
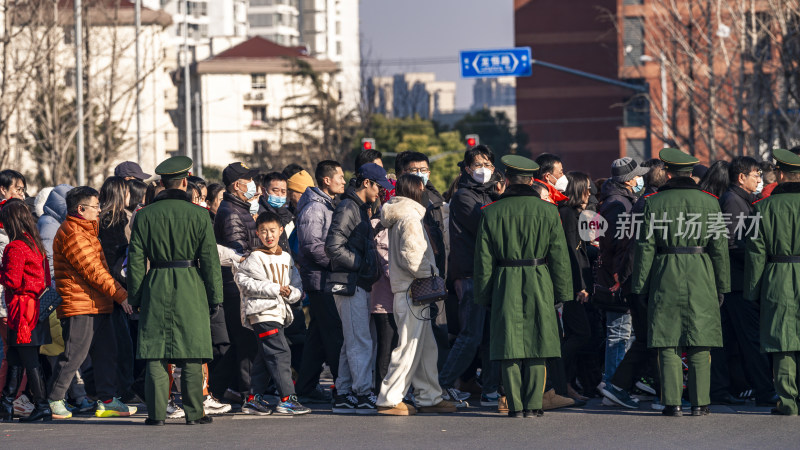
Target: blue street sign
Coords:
[[511, 62]]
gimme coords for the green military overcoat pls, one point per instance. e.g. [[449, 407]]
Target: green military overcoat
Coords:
[[683, 305], [776, 286], [174, 302], [522, 299]]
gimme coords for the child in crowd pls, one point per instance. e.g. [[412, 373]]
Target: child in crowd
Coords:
[[269, 283]]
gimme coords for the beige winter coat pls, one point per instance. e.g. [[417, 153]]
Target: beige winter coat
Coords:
[[410, 251]]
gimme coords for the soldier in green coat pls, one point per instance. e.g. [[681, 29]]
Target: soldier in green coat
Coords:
[[681, 262], [772, 271], [174, 238], [522, 269]]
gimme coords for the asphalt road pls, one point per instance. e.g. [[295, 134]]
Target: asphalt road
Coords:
[[594, 426]]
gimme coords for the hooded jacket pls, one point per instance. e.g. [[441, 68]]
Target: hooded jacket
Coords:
[[260, 278], [410, 251], [350, 245], [55, 212], [315, 211], [465, 214]]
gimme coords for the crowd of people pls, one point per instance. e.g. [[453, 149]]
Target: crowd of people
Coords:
[[245, 292]]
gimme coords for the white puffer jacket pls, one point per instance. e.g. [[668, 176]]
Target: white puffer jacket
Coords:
[[410, 251], [260, 278]]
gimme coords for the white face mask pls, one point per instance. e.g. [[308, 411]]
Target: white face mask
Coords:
[[561, 183], [760, 187], [482, 175], [204, 205]]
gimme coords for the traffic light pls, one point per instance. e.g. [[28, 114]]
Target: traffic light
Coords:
[[472, 141], [367, 144]]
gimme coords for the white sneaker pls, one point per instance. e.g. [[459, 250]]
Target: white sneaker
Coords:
[[174, 411], [212, 407], [456, 397], [23, 406], [608, 402]]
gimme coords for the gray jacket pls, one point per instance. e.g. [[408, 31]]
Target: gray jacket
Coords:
[[55, 212], [315, 212]]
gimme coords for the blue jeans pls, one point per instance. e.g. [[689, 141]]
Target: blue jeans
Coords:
[[618, 340], [473, 336]]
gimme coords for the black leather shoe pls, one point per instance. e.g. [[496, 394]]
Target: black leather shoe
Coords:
[[516, 414], [700, 410], [155, 422], [201, 421], [777, 412], [769, 402], [531, 413], [673, 411], [727, 400]]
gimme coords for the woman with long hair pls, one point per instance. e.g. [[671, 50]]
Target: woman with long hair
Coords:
[[716, 179], [411, 257], [576, 328], [214, 198], [25, 275]]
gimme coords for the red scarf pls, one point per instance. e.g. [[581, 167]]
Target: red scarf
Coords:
[[555, 195], [23, 314]]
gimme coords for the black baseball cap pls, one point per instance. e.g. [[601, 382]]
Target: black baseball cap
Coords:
[[237, 171], [131, 169], [376, 173]]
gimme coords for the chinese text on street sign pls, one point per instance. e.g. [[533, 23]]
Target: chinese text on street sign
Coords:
[[512, 62]]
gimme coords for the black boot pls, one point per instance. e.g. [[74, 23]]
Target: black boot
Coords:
[[41, 410], [9, 392]]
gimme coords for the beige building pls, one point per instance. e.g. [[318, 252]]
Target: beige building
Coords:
[[407, 94], [252, 104]]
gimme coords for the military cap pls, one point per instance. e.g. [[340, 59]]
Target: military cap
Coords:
[[677, 161], [786, 161], [174, 168], [519, 165]]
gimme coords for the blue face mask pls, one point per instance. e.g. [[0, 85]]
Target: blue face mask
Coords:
[[254, 208], [275, 201], [639, 184], [424, 177], [251, 190]]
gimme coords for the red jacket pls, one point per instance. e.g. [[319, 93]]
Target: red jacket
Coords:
[[24, 275]]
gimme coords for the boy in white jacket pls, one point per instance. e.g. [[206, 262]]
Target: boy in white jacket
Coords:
[[269, 282]]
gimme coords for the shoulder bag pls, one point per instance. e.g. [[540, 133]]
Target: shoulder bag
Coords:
[[49, 298]]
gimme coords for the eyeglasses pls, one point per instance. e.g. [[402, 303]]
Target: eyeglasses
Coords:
[[482, 166], [419, 171], [97, 207], [756, 174]]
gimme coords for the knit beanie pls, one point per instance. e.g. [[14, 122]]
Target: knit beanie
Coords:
[[300, 181]]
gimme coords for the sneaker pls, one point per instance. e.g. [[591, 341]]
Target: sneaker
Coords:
[[23, 406], [291, 406], [232, 396], [490, 399], [366, 404], [646, 385], [454, 395], [84, 406], [318, 395], [619, 396], [256, 406], [212, 407], [174, 411], [440, 408], [344, 404], [59, 410], [114, 408], [607, 402]]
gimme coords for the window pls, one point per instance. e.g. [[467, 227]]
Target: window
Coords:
[[69, 77], [279, 19], [338, 47], [260, 148], [204, 31], [258, 81], [338, 27], [637, 108], [260, 20], [68, 35], [633, 41], [259, 113], [637, 149]]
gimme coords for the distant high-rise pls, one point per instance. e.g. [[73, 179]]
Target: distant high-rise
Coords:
[[491, 92], [206, 19], [276, 20], [409, 94]]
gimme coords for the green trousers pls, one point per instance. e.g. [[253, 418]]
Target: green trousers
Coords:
[[670, 371], [523, 380], [785, 373], [156, 388]]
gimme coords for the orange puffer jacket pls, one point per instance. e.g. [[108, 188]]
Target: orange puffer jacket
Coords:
[[81, 271]]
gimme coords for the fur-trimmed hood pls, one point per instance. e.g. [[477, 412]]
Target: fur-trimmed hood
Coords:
[[399, 208]]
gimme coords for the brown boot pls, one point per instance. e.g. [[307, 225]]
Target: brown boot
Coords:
[[502, 405], [551, 400], [442, 407], [472, 386], [400, 409]]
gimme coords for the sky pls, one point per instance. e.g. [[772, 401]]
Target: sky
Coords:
[[396, 31]]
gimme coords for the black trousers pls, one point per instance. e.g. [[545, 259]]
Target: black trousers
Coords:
[[639, 360], [125, 350], [386, 330], [576, 336], [274, 360], [26, 356], [740, 327], [323, 343], [92, 335], [244, 346]]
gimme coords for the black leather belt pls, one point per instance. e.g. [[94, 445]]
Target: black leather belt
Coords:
[[786, 259], [521, 262], [680, 250], [173, 264]]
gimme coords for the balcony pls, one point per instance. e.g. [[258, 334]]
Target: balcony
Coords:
[[254, 98]]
